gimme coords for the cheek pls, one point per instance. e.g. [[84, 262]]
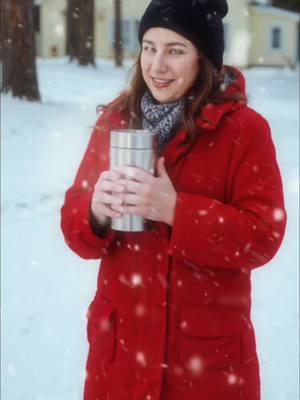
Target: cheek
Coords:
[[145, 62], [191, 76]]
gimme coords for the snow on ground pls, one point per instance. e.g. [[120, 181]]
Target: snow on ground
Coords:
[[46, 289]]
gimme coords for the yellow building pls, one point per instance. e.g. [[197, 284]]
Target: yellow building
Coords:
[[274, 37], [254, 34]]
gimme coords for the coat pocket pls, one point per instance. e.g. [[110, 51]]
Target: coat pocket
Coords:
[[101, 329], [210, 338]]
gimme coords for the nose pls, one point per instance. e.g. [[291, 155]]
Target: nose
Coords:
[[159, 64]]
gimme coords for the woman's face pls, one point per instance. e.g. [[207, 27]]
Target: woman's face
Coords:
[[170, 64]]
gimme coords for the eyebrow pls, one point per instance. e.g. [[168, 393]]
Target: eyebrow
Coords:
[[170, 44]]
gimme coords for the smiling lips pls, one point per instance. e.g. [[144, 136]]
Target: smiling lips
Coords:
[[162, 83]]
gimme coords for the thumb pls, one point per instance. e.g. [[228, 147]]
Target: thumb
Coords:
[[161, 169]]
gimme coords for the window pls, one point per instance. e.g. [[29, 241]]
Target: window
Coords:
[[276, 38], [129, 33]]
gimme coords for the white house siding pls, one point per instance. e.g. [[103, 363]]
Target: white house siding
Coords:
[[53, 28], [131, 13], [247, 31], [236, 27], [262, 23], [237, 38]]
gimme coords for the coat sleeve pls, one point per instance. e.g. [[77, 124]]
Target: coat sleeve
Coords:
[[245, 232], [75, 212]]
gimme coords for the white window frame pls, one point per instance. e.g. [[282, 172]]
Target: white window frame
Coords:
[[282, 36], [133, 44]]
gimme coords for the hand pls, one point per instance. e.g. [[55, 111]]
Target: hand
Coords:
[[150, 197], [104, 196]]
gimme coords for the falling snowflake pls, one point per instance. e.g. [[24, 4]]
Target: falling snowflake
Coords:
[[105, 324], [59, 29], [276, 234], [183, 324], [164, 365], [247, 247], [278, 214], [195, 365], [136, 247], [140, 310], [221, 220], [202, 212], [141, 359], [136, 279], [84, 184], [232, 379]]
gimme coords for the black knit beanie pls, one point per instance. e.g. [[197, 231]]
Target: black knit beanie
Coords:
[[200, 21]]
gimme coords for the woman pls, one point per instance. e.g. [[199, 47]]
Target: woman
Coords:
[[171, 316]]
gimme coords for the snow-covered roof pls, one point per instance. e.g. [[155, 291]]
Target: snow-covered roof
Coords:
[[276, 12]]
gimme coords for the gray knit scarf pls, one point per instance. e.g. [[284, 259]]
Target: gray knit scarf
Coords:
[[162, 118]]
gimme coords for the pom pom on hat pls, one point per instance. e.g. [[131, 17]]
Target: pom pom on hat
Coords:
[[199, 21]]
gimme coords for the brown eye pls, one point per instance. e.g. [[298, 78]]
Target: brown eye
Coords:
[[176, 52], [148, 49]]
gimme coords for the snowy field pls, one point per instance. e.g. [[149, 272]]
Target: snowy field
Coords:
[[46, 289]]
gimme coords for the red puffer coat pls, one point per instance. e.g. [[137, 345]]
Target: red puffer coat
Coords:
[[171, 316]]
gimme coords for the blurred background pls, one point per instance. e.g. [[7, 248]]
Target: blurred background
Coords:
[[59, 60]]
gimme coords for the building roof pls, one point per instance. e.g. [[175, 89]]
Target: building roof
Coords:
[[276, 12]]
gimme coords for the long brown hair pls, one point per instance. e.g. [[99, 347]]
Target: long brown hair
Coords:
[[206, 89]]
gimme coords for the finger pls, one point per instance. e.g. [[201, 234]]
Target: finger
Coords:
[[109, 186], [130, 199], [106, 198], [128, 210], [111, 175], [138, 174], [161, 169], [129, 185], [109, 212]]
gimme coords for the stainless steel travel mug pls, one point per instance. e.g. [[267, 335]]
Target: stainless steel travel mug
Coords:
[[135, 148]]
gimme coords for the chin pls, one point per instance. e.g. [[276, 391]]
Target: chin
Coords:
[[163, 97]]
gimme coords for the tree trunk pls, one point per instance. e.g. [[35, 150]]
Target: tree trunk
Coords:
[[118, 48], [19, 67], [86, 41], [80, 31], [73, 15]]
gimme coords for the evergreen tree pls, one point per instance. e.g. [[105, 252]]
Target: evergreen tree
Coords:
[[18, 49], [118, 48], [80, 31]]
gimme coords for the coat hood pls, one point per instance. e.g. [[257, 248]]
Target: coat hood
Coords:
[[212, 113]]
